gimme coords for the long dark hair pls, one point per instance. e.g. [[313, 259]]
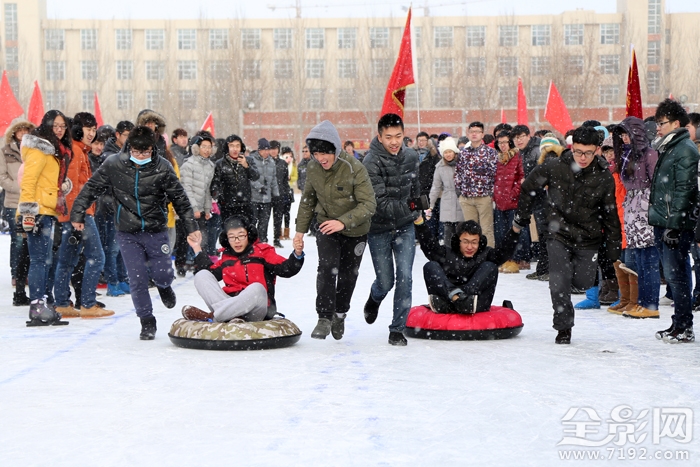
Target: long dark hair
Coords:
[[45, 130]]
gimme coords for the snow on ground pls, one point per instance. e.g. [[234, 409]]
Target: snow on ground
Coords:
[[92, 393]]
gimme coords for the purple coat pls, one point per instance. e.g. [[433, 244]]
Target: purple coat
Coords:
[[637, 169]]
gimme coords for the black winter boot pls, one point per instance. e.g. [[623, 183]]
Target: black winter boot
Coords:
[[338, 326], [20, 298], [397, 338], [148, 328], [439, 304], [322, 329], [563, 337], [371, 310], [40, 314], [167, 296]]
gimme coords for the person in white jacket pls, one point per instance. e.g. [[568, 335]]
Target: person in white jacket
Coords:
[[196, 175]]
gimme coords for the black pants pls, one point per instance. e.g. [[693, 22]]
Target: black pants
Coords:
[[22, 270], [202, 223], [339, 259], [542, 226], [280, 211], [262, 219], [181, 244], [568, 267], [482, 283], [237, 210]]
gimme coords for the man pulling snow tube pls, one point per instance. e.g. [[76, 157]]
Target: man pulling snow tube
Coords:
[[500, 322], [236, 334]]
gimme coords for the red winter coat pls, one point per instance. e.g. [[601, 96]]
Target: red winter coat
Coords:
[[509, 176]]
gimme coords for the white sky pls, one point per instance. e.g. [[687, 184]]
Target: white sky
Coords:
[[182, 9]]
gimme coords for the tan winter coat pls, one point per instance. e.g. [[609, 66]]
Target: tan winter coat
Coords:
[[10, 161]]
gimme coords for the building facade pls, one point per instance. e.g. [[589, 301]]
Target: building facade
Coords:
[[278, 77]]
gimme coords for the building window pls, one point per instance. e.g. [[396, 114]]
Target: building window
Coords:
[[155, 70], [476, 96], [250, 69], [573, 34], [55, 70], [123, 39], [347, 38], [538, 96], [610, 64], [55, 39], [11, 22], [667, 36], [186, 39], [442, 67], [88, 39], [667, 66], [609, 94], [283, 99], [609, 33], [539, 66], [443, 36], [476, 66], [347, 98], [250, 38], [417, 36], [442, 97], [378, 38], [187, 69], [155, 39], [88, 100], [315, 38], [55, 99], [282, 38], [284, 69], [653, 82], [254, 96], [574, 65], [654, 17], [541, 34], [12, 58], [347, 68], [380, 67], [315, 68], [125, 69], [220, 70], [315, 99], [88, 69], [574, 94], [187, 99], [218, 39], [507, 96], [125, 100], [476, 36], [508, 66], [508, 36], [155, 99], [654, 53]]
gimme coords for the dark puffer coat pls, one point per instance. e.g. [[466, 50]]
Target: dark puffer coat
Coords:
[[395, 181], [286, 192], [231, 183], [426, 172], [581, 206], [458, 268], [141, 194]]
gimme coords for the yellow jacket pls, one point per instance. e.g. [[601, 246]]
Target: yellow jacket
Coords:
[[39, 186], [171, 210]]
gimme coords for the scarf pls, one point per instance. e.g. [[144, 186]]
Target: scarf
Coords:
[[64, 157]]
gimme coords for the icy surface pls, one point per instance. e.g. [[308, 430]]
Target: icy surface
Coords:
[[92, 393]]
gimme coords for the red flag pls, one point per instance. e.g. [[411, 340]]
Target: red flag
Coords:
[[522, 104], [670, 95], [9, 107], [208, 124], [503, 116], [35, 112], [402, 76], [98, 112], [556, 112], [634, 93]]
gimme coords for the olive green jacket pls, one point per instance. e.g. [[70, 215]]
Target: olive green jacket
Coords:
[[343, 192]]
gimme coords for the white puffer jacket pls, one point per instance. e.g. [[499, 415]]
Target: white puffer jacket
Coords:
[[195, 175]]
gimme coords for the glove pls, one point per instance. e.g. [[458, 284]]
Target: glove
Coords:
[[671, 237], [263, 190], [519, 223], [28, 223]]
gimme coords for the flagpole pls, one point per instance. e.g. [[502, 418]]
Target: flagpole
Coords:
[[415, 70]]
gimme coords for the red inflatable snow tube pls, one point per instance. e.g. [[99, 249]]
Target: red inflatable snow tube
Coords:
[[500, 322]]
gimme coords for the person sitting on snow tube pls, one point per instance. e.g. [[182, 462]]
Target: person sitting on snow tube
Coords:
[[461, 278], [248, 268]]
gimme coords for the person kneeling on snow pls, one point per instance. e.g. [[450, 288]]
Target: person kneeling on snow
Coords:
[[461, 278], [248, 268]]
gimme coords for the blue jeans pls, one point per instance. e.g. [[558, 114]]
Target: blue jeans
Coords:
[[68, 256], [114, 270], [502, 222], [678, 275], [15, 240], [40, 246], [645, 261], [523, 251], [213, 231], [401, 243]]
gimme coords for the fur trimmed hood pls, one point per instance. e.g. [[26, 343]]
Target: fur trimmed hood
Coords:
[[505, 157], [554, 149], [151, 115], [34, 142], [15, 127]]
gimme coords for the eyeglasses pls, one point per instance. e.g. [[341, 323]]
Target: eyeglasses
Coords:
[[521, 136], [469, 242], [238, 238], [579, 153], [59, 127], [136, 153], [660, 124]]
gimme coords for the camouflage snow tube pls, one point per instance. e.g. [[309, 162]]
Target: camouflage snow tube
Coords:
[[234, 335]]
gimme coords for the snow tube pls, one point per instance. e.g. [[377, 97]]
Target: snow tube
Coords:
[[500, 322], [234, 335]]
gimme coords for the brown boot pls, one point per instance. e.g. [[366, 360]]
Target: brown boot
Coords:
[[609, 292], [285, 234], [193, 313], [94, 312], [623, 283], [68, 312], [640, 313], [633, 294]]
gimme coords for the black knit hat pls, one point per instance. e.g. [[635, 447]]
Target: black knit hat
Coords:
[[263, 144], [319, 145]]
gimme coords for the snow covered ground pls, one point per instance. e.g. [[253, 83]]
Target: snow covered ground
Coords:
[[92, 393]]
